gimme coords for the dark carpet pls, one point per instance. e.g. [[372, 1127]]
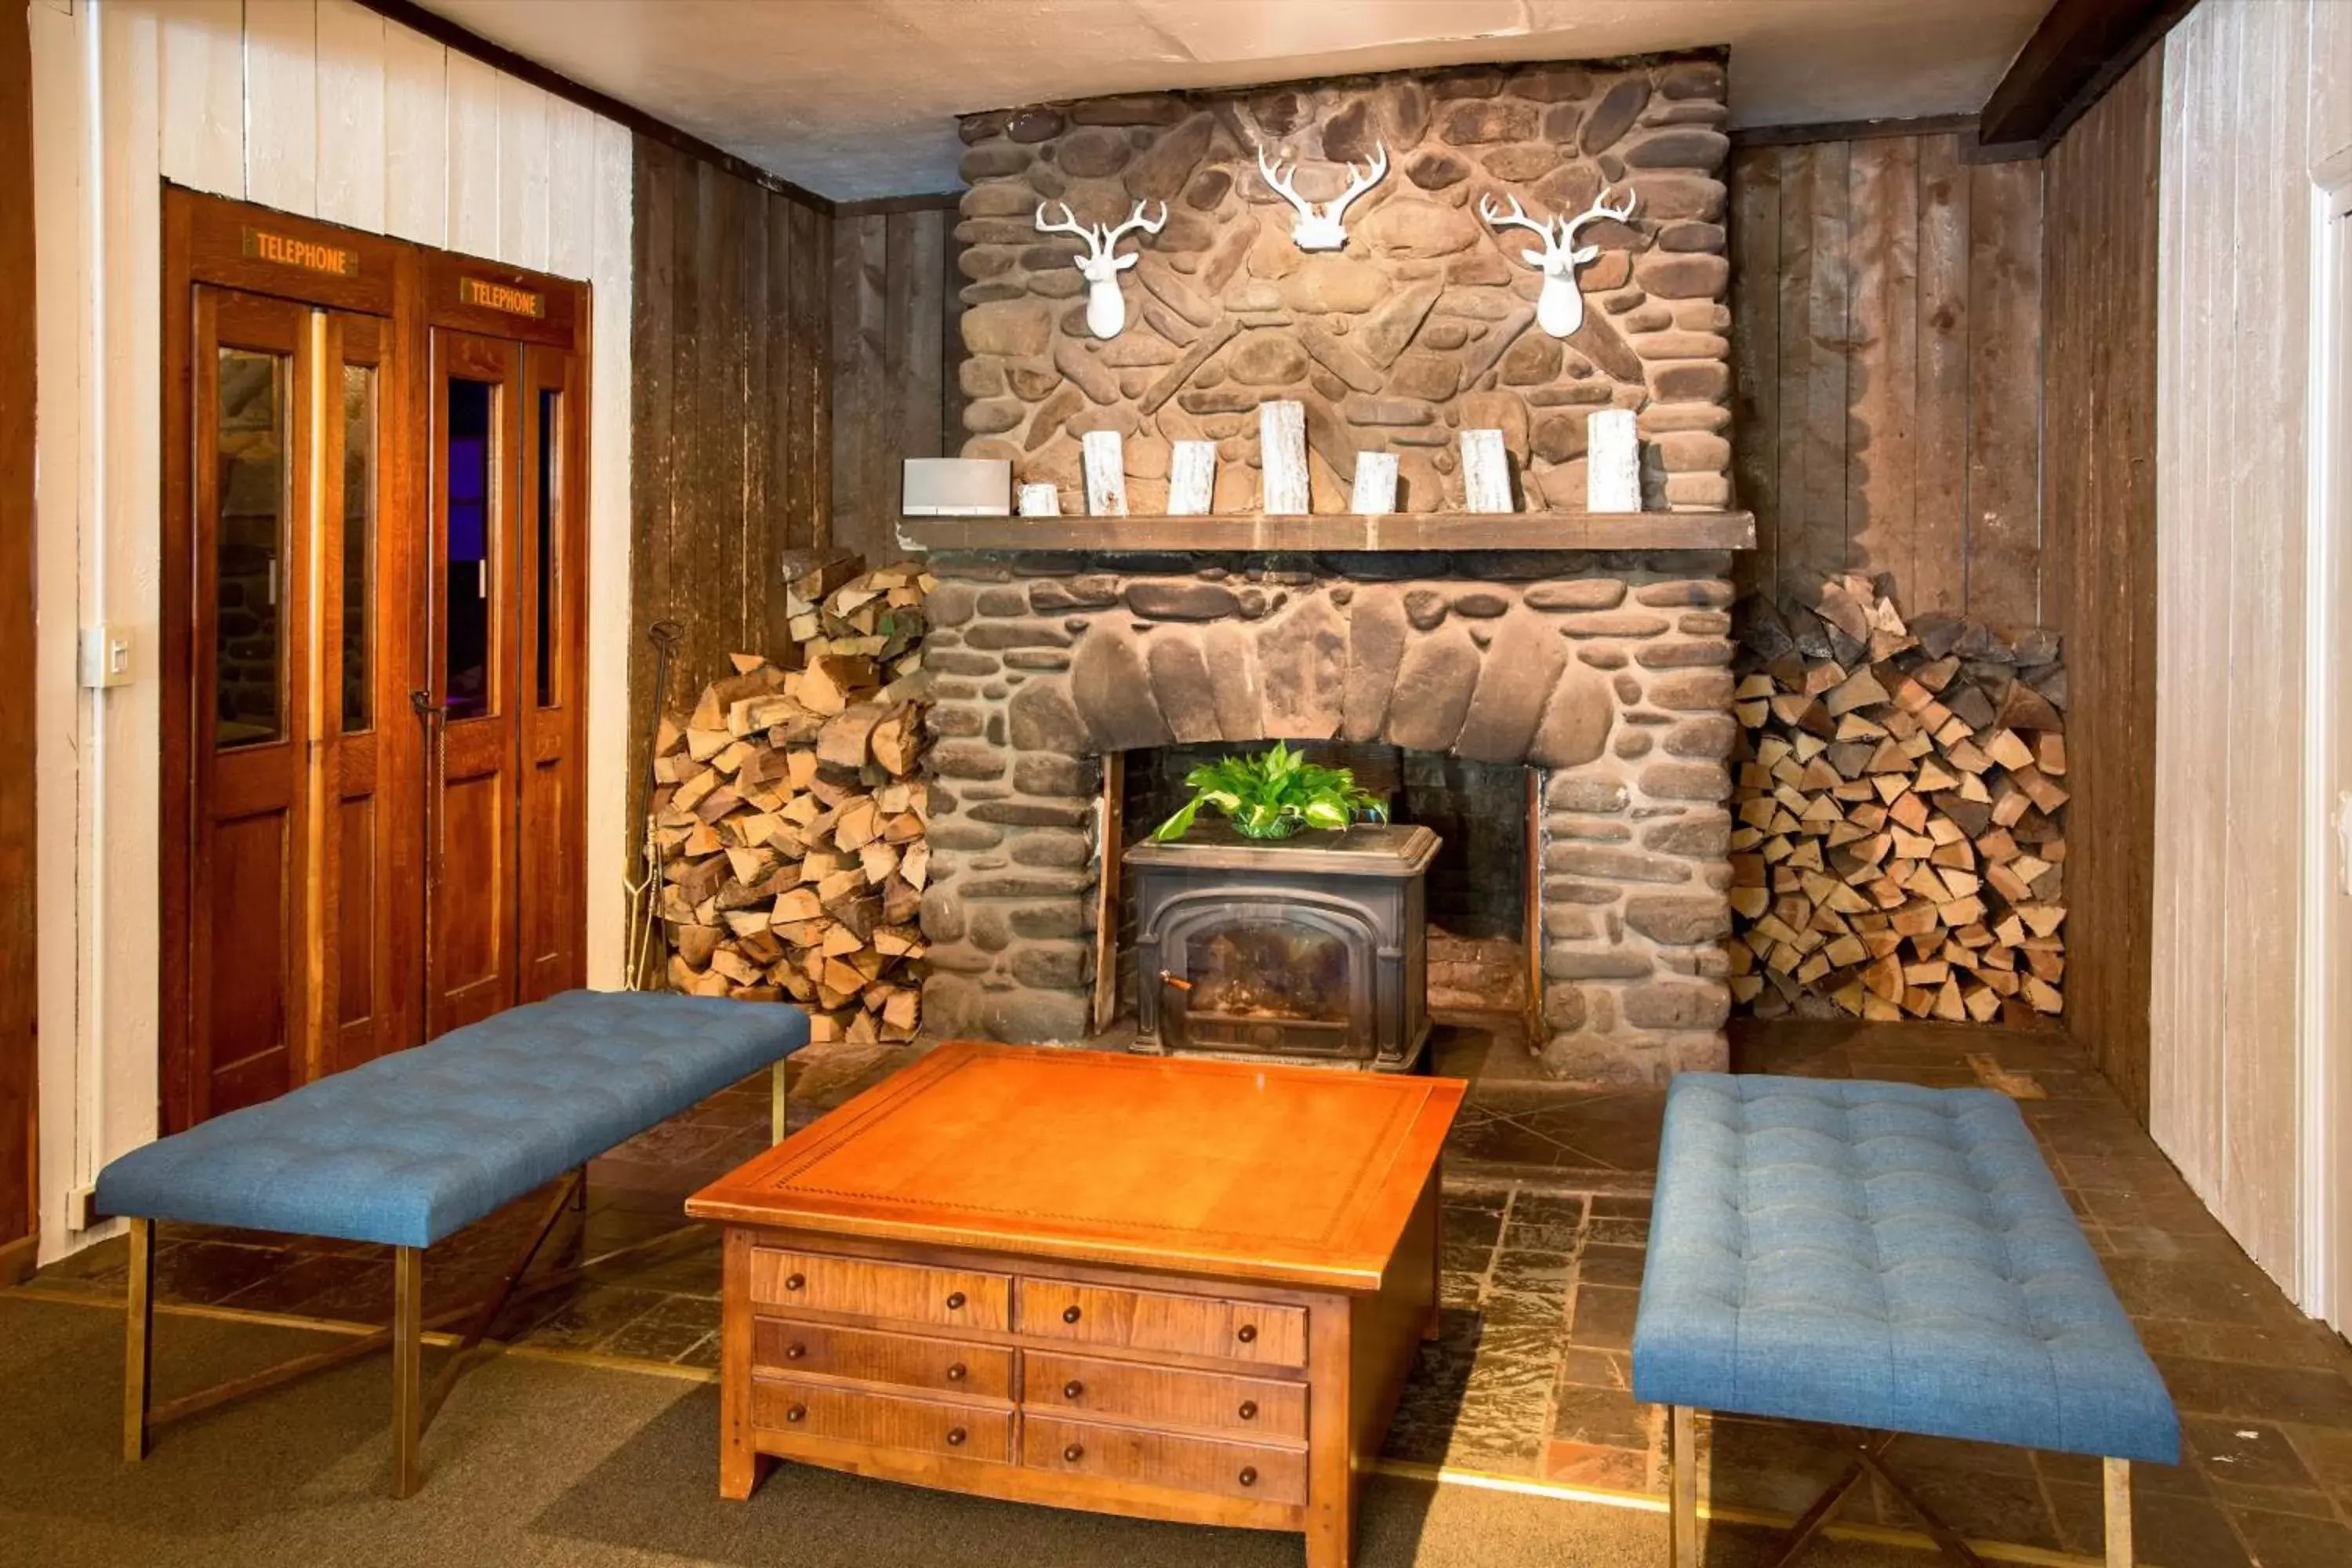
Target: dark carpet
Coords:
[[539, 1461]]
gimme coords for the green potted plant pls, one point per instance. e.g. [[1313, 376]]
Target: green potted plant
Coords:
[[1273, 795]]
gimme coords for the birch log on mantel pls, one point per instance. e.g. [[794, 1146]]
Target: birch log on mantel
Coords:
[[791, 818], [1192, 478], [1899, 839], [1282, 457], [1485, 472], [1103, 454]]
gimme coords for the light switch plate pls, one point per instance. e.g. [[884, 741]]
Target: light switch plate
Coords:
[[105, 656]]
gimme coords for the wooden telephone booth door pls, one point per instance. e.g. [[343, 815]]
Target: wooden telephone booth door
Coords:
[[301, 836], [502, 886]]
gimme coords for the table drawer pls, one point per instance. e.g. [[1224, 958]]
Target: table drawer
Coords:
[[783, 1347], [1164, 1459], [869, 1288], [882, 1420], [1257, 1407], [1161, 1321]]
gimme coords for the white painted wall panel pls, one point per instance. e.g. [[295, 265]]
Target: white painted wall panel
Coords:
[[524, 157], [474, 225], [281, 104], [415, 137], [202, 65], [352, 161], [614, 162], [317, 107], [2255, 95]]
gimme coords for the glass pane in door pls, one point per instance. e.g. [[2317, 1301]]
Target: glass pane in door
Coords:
[[359, 545], [466, 646], [551, 425], [252, 494]]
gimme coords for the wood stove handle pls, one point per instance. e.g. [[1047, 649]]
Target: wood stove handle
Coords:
[[1178, 981]]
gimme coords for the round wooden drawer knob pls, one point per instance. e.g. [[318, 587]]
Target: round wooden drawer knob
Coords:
[[956, 1373], [1073, 1388], [1245, 1333], [1249, 1475], [1073, 1454], [1069, 1314], [1249, 1410], [794, 1281], [955, 1301], [797, 1413], [795, 1353], [955, 1436]]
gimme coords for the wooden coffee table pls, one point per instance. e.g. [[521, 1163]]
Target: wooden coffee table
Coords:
[[1172, 1289]]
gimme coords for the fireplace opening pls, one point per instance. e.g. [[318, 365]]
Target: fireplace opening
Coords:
[[1476, 886]]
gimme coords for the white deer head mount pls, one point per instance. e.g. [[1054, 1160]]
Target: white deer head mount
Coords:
[[1106, 307], [1318, 226], [1559, 310]]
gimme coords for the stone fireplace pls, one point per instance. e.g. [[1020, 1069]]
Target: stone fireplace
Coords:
[[1594, 651], [1607, 671]]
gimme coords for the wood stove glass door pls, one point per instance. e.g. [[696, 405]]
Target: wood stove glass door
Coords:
[[1267, 976]]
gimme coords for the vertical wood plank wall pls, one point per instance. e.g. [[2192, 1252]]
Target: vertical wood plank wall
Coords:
[[2100, 566], [2256, 97], [18, 1215], [1887, 319], [317, 107], [896, 345], [731, 420]]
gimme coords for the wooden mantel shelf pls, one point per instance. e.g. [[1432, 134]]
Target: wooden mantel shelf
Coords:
[[1715, 530]]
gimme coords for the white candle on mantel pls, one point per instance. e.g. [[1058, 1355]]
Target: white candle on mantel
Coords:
[[1612, 462], [1376, 484], [1282, 456], [1104, 455], [1485, 472], [1040, 500], [1191, 478]]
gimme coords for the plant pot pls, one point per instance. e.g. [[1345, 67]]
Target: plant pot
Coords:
[[1284, 828]]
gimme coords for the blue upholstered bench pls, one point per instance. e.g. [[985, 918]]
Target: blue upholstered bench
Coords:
[[414, 1146], [1885, 1257]]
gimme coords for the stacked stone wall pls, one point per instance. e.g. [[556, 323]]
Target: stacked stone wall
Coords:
[[1609, 672], [1423, 326]]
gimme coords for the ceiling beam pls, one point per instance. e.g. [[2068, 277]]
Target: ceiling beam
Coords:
[[465, 41], [2077, 53]]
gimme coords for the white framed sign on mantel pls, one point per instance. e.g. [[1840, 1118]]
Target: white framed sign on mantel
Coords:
[[1040, 500]]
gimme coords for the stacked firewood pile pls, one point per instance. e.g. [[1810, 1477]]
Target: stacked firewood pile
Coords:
[[790, 818], [1898, 842]]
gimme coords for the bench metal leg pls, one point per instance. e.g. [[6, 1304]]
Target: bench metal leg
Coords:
[[1869, 1457], [776, 1102], [1682, 1472], [407, 1365], [138, 1340], [2119, 1518]]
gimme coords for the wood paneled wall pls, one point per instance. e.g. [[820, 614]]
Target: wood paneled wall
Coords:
[[2100, 566], [18, 1213], [1887, 319], [731, 427], [897, 347]]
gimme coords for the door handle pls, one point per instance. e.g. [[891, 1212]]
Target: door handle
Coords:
[[427, 709]]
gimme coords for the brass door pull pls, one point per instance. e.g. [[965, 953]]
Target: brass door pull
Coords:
[[1245, 1333], [1070, 1314], [797, 1413], [955, 1301], [1073, 1454], [1249, 1475], [795, 1353], [1073, 1388], [955, 1372], [1249, 1410], [955, 1436]]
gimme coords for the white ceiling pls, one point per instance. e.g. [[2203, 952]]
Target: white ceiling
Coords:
[[856, 98]]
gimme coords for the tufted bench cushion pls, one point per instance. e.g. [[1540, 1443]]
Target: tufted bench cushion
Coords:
[[1883, 1256], [419, 1143]]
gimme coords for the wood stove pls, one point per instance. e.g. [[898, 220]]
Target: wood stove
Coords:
[[1308, 950]]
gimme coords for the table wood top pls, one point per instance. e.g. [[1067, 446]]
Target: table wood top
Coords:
[[1292, 1175]]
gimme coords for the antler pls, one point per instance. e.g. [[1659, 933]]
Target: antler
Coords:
[[1091, 233], [1598, 210], [1281, 181], [1360, 183], [1135, 220], [1515, 218]]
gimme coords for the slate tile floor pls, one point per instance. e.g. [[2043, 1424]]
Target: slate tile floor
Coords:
[[1547, 1215]]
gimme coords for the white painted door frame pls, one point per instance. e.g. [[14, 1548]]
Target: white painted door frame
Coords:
[[2324, 1071]]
